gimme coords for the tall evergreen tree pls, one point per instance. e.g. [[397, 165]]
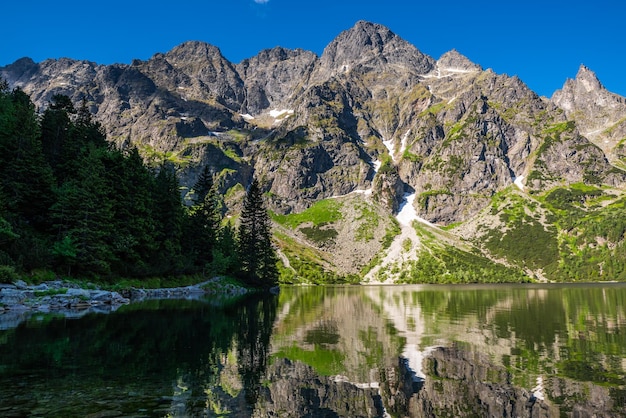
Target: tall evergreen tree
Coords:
[[225, 255], [26, 175], [169, 218], [7, 234], [204, 185], [203, 222], [131, 185], [25, 179], [257, 255], [85, 132], [56, 125], [84, 213]]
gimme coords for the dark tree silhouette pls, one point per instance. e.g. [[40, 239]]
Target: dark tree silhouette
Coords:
[[256, 252]]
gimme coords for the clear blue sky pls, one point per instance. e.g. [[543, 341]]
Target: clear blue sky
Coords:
[[543, 42]]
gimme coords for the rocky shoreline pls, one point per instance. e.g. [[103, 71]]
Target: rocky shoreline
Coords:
[[19, 301]]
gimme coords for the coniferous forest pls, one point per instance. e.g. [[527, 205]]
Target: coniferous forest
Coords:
[[73, 204]]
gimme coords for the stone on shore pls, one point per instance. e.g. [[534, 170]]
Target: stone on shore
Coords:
[[19, 301]]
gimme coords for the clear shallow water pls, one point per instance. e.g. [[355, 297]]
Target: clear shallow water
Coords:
[[502, 350]]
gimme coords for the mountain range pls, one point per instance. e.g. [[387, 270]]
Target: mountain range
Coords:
[[378, 161]]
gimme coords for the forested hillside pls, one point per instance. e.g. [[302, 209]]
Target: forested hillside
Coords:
[[74, 205]]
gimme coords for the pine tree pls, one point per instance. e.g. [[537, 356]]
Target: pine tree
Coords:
[[6, 230], [225, 256], [56, 125], [26, 181], [84, 213], [256, 252], [204, 185], [86, 131], [203, 222], [131, 185], [169, 217], [26, 177]]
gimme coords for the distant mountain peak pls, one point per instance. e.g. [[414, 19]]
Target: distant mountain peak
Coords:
[[376, 45], [588, 79], [375, 33], [190, 49], [362, 37], [454, 60]]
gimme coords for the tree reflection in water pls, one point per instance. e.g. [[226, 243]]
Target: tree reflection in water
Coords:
[[161, 357]]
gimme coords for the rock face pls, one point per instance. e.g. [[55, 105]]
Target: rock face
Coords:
[[453, 61], [273, 77], [599, 114], [312, 127], [370, 47]]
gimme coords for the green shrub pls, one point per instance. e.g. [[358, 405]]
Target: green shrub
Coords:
[[369, 222], [42, 275], [319, 235], [51, 292], [390, 234], [451, 265], [8, 274]]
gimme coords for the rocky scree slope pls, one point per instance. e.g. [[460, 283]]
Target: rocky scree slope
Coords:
[[371, 114]]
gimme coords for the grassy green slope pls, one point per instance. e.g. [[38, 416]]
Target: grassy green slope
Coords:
[[573, 233], [333, 240]]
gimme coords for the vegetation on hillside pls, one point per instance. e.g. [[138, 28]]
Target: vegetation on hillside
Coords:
[[440, 262], [570, 233]]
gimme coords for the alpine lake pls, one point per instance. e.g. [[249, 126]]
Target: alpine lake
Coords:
[[356, 351]]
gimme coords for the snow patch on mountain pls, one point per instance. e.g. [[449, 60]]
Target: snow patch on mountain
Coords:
[[403, 142], [389, 144], [399, 251], [282, 113]]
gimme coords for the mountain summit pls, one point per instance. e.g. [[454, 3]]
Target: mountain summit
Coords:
[[599, 114], [454, 61], [372, 47]]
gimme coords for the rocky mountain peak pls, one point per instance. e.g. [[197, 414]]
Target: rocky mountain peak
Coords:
[[197, 48], [588, 79], [584, 91], [369, 34], [272, 76], [599, 114], [193, 54], [453, 60], [201, 70], [20, 71], [585, 87], [374, 46], [275, 54]]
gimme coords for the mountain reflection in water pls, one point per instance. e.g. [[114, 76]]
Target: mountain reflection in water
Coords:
[[414, 351]]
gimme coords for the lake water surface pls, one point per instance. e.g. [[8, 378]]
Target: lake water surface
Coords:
[[359, 351]]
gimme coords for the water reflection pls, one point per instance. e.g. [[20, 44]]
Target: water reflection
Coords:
[[158, 358], [414, 351], [463, 350]]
